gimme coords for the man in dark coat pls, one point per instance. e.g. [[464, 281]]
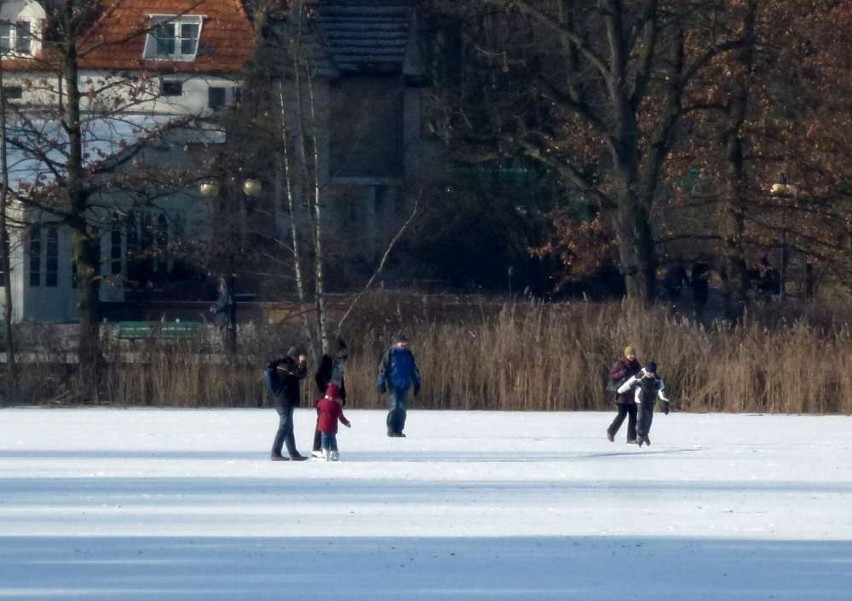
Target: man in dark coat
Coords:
[[621, 371], [289, 370]]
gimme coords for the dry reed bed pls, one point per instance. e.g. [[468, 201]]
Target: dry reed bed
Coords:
[[520, 356]]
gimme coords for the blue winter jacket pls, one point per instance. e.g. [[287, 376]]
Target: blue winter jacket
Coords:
[[399, 370]]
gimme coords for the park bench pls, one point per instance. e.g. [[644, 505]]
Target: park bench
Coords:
[[173, 330]]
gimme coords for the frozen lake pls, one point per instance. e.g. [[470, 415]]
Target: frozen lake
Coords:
[[184, 505]]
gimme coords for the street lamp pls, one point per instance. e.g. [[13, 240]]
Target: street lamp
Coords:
[[783, 190], [209, 189], [252, 187], [227, 298]]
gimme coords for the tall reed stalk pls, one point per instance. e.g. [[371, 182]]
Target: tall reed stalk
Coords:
[[513, 356]]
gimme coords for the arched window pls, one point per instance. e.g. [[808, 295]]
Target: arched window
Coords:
[[162, 244], [115, 249], [51, 259], [131, 228], [35, 256]]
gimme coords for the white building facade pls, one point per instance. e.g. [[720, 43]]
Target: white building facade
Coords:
[[145, 64]]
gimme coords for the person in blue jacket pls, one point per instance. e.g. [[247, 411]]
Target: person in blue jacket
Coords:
[[398, 374]]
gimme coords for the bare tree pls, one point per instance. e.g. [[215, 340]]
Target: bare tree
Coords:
[[593, 90], [81, 139]]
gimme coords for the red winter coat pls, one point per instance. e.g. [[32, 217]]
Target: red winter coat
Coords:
[[622, 369], [329, 411]]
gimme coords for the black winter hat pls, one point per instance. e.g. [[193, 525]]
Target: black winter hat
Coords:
[[651, 367]]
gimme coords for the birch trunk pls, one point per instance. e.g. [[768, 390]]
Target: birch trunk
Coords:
[[294, 231]]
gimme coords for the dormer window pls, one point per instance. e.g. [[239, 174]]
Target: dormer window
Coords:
[[21, 23], [173, 37], [16, 39]]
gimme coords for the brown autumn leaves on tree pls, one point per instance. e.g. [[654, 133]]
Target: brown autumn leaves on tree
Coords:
[[767, 133], [622, 100]]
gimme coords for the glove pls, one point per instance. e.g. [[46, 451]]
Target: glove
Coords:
[[382, 388], [666, 408], [416, 390]]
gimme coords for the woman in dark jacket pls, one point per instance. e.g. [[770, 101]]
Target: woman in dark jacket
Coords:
[[621, 370], [331, 369]]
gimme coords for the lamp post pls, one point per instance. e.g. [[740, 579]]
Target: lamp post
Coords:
[[783, 190], [226, 305]]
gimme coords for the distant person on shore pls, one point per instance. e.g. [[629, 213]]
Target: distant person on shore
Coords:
[[700, 283], [283, 379], [331, 370], [623, 368], [674, 281], [224, 312], [647, 386], [398, 374], [329, 412], [768, 280]]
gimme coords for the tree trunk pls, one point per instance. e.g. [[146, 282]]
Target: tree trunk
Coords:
[[294, 230], [85, 243], [734, 270], [636, 250], [5, 262]]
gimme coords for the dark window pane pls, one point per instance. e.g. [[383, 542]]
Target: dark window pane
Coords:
[[6, 37], [115, 249], [215, 97], [51, 268], [171, 88], [24, 37], [189, 38], [35, 256], [164, 34]]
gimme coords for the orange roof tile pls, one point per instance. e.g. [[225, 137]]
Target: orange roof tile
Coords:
[[117, 39]]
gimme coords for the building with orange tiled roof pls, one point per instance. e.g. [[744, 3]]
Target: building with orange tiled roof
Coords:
[[188, 58], [189, 55], [142, 63]]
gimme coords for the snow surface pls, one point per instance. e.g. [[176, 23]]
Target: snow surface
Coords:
[[184, 505]]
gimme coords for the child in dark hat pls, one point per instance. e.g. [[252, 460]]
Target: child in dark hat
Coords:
[[647, 387]]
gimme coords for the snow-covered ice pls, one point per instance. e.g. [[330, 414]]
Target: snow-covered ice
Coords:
[[184, 505]]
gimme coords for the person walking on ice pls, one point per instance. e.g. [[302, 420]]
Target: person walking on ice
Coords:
[[283, 378], [397, 374], [619, 373], [647, 386], [329, 412]]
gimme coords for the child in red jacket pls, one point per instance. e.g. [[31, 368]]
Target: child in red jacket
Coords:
[[329, 411]]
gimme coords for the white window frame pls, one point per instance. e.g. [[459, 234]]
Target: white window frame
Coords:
[[152, 50], [13, 35]]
